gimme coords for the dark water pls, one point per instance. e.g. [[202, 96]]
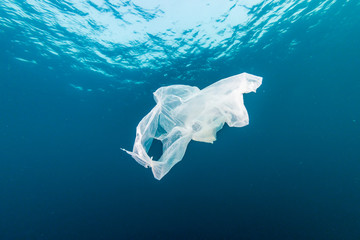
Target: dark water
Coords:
[[76, 78]]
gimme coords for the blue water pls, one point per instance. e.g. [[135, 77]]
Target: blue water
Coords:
[[76, 77]]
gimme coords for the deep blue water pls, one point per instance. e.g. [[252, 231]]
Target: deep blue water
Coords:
[[76, 77]]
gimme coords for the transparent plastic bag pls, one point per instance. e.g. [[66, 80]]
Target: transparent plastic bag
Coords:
[[184, 113]]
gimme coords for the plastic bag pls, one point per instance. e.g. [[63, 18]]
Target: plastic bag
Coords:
[[184, 113]]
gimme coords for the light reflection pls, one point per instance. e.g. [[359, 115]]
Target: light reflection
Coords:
[[148, 34]]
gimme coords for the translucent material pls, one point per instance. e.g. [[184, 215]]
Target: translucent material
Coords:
[[185, 113]]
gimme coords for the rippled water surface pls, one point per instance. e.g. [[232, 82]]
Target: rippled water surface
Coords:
[[123, 38]]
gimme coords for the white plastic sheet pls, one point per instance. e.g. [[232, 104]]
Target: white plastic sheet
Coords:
[[184, 113]]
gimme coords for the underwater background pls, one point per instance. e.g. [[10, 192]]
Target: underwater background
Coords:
[[76, 77]]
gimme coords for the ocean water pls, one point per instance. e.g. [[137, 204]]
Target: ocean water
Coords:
[[76, 77]]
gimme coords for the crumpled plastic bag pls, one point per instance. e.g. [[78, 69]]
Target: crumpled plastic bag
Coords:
[[184, 113]]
